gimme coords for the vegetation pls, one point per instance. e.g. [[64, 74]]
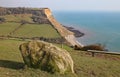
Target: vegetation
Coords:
[[26, 23], [11, 63], [36, 15], [99, 47], [6, 28], [28, 30], [40, 19], [18, 17], [2, 19], [36, 30]]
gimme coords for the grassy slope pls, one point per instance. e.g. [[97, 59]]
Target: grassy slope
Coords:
[[11, 64], [18, 17], [27, 30], [36, 30], [6, 28]]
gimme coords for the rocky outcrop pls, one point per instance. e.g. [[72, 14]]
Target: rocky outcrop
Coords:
[[47, 57]]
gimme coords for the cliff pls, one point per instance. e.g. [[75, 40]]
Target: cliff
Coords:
[[64, 32]]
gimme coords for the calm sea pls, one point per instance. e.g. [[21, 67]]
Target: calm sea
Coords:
[[99, 27]]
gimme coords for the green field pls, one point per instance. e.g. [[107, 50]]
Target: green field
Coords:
[[12, 26], [18, 17], [6, 28], [36, 30], [11, 63], [28, 30]]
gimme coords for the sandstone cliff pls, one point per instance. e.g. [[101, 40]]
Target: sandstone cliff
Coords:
[[68, 35]]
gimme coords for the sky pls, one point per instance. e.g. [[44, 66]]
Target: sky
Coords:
[[66, 5]]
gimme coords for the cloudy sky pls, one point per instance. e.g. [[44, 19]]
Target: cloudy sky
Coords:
[[70, 5]]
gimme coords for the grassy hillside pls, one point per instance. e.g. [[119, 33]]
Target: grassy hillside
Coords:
[[18, 17], [36, 30], [11, 63], [6, 28], [12, 26]]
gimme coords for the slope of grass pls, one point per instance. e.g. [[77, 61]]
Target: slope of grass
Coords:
[[11, 64], [37, 30], [18, 17], [6, 28], [28, 30]]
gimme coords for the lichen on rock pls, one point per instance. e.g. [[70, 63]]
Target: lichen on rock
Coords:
[[46, 56]]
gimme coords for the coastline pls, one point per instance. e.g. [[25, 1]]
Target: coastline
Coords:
[[77, 33], [64, 32]]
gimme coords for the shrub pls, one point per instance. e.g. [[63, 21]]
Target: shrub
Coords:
[[2, 19], [93, 47]]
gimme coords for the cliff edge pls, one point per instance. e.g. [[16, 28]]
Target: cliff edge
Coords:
[[68, 35]]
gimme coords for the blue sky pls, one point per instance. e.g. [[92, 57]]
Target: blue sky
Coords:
[[68, 5]]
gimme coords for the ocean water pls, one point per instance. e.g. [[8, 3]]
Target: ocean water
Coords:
[[99, 27]]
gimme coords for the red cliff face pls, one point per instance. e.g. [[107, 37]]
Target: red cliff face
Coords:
[[62, 30]]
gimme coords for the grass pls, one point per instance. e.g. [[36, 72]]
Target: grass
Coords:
[[28, 30], [18, 17], [37, 30], [6, 28], [11, 63]]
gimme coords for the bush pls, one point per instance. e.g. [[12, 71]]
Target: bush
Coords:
[[93, 47], [2, 19], [99, 47]]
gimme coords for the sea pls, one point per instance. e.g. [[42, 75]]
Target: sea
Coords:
[[99, 27]]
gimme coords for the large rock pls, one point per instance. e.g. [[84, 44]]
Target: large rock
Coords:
[[47, 57]]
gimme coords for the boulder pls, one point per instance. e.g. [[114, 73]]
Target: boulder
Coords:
[[46, 56]]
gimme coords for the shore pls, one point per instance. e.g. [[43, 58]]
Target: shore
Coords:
[[76, 32]]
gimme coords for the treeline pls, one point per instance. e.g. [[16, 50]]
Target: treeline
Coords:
[[38, 15], [50, 40], [19, 10]]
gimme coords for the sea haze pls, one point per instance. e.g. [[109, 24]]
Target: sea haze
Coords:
[[99, 27]]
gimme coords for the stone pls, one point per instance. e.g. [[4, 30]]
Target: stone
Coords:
[[46, 56]]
